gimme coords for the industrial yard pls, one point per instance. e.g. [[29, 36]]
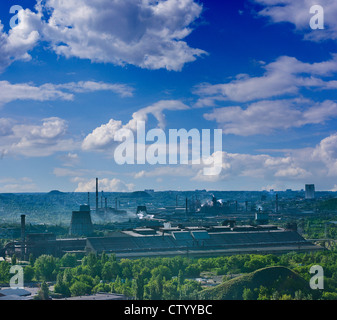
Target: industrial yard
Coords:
[[192, 231]]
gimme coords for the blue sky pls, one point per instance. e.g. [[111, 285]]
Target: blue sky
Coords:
[[71, 73]]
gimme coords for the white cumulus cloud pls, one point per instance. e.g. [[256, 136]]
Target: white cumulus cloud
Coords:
[[268, 116], [298, 13], [145, 33], [103, 137], [283, 77], [35, 140], [105, 184], [64, 91]]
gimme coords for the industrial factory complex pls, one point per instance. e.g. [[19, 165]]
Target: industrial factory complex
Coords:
[[161, 239], [167, 241]]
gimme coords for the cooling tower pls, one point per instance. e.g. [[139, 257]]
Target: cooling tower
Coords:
[[81, 224]]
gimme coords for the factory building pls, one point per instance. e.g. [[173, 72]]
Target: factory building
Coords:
[[261, 217], [167, 240], [200, 242], [44, 243]]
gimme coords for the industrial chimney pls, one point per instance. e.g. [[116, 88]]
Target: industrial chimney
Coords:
[[96, 194], [186, 205], [23, 236]]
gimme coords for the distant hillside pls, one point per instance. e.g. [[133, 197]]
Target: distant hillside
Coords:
[[55, 192], [280, 278], [139, 194]]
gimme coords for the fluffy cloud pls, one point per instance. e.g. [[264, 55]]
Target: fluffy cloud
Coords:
[[20, 40], [326, 152], [147, 34], [107, 185], [144, 33], [6, 125], [37, 140], [285, 76], [297, 165], [92, 86], [27, 91], [24, 184], [234, 165], [103, 137], [267, 116], [179, 171], [298, 13], [276, 99]]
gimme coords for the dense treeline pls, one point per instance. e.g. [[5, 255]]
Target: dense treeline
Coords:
[[166, 278]]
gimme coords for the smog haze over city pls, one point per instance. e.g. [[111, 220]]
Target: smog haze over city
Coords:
[[168, 150]]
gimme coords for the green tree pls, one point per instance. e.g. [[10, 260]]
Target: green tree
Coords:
[[180, 278], [68, 260], [4, 272], [192, 271], [117, 285], [162, 271], [101, 287], [329, 295], [248, 294], [61, 287], [43, 293], [28, 273], [190, 289], [45, 267], [170, 290], [104, 258], [79, 288], [139, 287], [31, 260], [263, 293], [67, 275], [110, 270], [86, 279], [126, 268], [112, 257], [154, 289], [93, 264], [145, 273]]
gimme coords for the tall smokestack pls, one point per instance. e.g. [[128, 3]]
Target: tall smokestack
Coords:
[[96, 194], [186, 205], [23, 235]]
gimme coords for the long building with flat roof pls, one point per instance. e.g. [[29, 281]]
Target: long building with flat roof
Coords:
[[201, 243], [192, 241]]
